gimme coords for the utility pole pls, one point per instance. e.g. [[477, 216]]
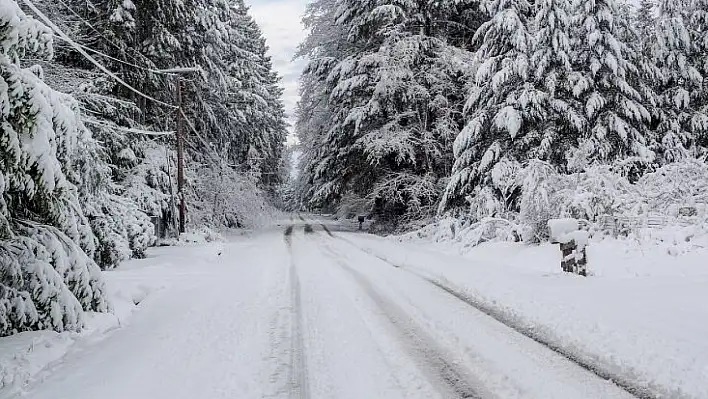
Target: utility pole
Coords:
[[180, 158], [179, 136]]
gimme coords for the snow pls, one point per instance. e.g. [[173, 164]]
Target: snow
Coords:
[[336, 314], [560, 228], [642, 313]]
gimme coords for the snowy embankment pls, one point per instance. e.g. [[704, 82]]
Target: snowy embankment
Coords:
[[29, 356], [642, 315]]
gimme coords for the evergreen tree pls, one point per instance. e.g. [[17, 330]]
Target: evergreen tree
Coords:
[[233, 103], [640, 34], [325, 45], [699, 37], [393, 85], [681, 119], [503, 106], [46, 274], [607, 85], [563, 117]]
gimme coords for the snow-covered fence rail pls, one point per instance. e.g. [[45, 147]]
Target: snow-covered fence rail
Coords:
[[623, 225]]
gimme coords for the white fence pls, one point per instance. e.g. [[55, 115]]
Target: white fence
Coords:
[[624, 224]]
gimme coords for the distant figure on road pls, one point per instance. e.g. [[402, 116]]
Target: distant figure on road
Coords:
[[361, 222]]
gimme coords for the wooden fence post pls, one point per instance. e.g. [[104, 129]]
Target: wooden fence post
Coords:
[[568, 251]]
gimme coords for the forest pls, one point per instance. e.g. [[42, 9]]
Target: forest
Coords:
[[510, 110], [88, 95]]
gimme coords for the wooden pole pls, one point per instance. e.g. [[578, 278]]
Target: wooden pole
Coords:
[[180, 159]]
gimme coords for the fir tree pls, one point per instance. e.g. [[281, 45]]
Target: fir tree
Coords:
[[394, 94], [47, 277], [503, 106], [679, 90], [563, 117], [607, 86]]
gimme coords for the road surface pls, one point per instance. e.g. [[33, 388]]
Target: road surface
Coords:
[[302, 312]]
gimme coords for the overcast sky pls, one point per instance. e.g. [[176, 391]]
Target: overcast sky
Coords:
[[280, 22]]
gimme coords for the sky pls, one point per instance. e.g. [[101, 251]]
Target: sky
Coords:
[[280, 22]]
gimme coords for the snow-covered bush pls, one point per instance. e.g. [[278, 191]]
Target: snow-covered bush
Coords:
[[590, 195], [485, 202], [149, 183], [404, 197], [220, 196], [469, 234], [352, 204], [675, 185], [121, 229], [540, 181], [597, 191], [46, 282]]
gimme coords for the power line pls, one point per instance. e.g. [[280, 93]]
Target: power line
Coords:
[[155, 71], [93, 28], [128, 130], [83, 52]]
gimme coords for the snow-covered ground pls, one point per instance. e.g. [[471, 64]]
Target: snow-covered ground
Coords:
[[642, 316], [315, 312]]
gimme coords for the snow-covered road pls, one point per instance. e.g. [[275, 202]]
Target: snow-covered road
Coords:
[[303, 312]]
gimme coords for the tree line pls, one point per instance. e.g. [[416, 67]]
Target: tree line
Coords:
[[88, 104], [415, 108]]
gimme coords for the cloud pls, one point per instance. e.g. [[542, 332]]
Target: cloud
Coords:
[[280, 22]]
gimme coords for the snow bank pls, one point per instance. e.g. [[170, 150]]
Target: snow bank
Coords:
[[661, 251], [29, 356]]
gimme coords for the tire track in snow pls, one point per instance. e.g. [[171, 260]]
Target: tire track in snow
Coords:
[[298, 384], [455, 380], [510, 321]]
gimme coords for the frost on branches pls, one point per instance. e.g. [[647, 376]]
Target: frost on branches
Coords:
[[607, 85], [542, 193], [219, 196], [47, 276], [501, 106], [682, 119]]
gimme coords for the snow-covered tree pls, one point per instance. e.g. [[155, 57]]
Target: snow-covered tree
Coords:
[[47, 276], [381, 102], [607, 85], [699, 36], [563, 116], [681, 117], [324, 46], [503, 105]]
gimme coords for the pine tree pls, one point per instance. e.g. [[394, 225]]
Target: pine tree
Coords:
[[681, 119], [607, 86], [503, 105], [563, 117], [47, 277]]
